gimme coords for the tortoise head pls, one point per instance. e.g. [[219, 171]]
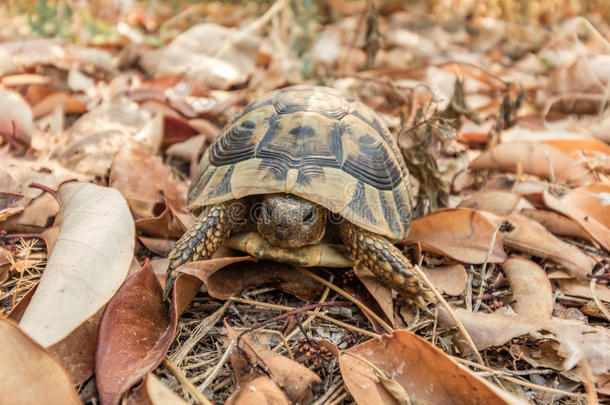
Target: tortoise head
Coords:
[[287, 221]]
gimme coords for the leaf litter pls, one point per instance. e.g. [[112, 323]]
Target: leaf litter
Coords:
[[503, 122]]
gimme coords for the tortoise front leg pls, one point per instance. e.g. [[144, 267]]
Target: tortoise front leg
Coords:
[[386, 262], [199, 242]]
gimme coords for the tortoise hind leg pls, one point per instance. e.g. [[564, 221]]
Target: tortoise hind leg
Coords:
[[199, 242], [386, 262]]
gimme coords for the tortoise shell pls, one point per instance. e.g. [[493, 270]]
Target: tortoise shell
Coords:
[[317, 144]]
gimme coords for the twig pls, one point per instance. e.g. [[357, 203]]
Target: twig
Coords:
[[198, 396], [602, 308], [217, 367], [484, 269], [200, 331], [316, 314], [311, 317], [520, 382], [338, 290], [450, 311]]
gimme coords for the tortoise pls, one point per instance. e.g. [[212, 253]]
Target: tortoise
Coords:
[[297, 167]]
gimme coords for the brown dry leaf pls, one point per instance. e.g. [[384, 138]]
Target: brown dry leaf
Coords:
[[134, 335], [451, 280], [534, 158], [145, 181], [585, 205], [424, 372], [92, 141], [532, 290], [61, 99], [493, 329], [578, 341], [30, 375], [15, 118], [497, 202], [15, 177], [165, 225], [77, 350], [158, 246], [582, 288], [176, 129], [381, 293], [260, 391], [7, 205], [558, 224], [564, 344], [153, 392], [460, 233], [571, 146], [297, 381], [215, 55], [228, 276], [523, 234], [89, 262]]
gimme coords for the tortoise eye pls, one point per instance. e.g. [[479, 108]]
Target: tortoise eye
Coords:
[[267, 212], [308, 218]]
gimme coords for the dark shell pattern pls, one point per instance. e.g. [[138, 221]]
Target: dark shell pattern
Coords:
[[313, 142]]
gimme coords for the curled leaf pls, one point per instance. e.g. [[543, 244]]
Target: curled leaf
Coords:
[[460, 233], [497, 202], [534, 158], [586, 206], [529, 236]]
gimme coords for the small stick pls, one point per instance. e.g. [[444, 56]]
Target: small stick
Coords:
[[198, 396], [217, 367], [520, 382], [338, 290], [313, 313]]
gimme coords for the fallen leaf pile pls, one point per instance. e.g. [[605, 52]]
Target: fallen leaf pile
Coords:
[[500, 110]]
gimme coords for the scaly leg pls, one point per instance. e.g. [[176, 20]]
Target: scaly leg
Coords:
[[386, 262], [199, 242]]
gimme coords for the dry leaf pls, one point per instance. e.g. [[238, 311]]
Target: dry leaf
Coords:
[[534, 158], [497, 202], [212, 54], [585, 205], [424, 372], [260, 391], [134, 335], [15, 118], [153, 392], [297, 381], [494, 329], [582, 288], [61, 99], [521, 233], [451, 280], [227, 276], [461, 233], [92, 141], [381, 293], [532, 291], [89, 262], [145, 181], [30, 375], [557, 224]]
